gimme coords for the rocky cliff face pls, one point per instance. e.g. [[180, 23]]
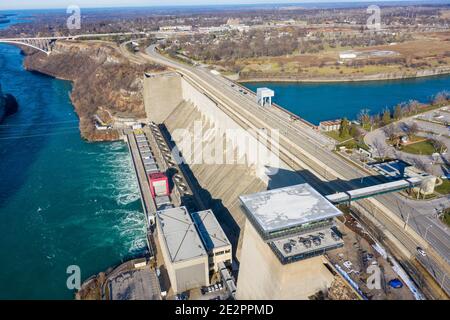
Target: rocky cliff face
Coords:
[[8, 105], [102, 80]]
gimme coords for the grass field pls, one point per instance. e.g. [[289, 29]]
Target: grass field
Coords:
[[335, 135], [427, 51], [422, 148], [444, 188]]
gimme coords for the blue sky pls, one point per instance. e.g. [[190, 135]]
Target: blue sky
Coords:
[[42, 4]]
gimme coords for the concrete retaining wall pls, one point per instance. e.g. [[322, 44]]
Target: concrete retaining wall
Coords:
[[162, 94]]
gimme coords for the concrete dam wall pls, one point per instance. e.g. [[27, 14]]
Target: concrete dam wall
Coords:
[[188, 113]]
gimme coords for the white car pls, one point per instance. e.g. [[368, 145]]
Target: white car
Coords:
[[421, 252]]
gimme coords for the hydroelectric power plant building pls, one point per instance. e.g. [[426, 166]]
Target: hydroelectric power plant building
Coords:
[[286, 235], [191, 245]]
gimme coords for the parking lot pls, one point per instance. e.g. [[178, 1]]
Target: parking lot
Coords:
[[357, 255]]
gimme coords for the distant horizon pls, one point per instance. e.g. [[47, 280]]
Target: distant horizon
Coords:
[[111, 4]]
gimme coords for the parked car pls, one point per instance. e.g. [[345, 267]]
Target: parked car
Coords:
[[395, 283], [181, 296], [421, 252]]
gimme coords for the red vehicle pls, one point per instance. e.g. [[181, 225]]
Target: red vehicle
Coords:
[[159, 184]]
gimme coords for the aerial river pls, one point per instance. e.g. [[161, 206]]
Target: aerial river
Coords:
[[63, 201], [316, 102]]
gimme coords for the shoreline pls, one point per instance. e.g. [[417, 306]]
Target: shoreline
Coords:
[[84, 98], [73, 103], [368, 78]]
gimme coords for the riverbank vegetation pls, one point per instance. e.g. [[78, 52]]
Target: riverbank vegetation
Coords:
[[402, 110], [443, 188], [349, 135], [103, 80]]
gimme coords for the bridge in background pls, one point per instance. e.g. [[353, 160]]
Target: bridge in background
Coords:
[[47, 44]]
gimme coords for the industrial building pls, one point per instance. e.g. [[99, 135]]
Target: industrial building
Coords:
[[185, 257], [192, 245], [214, 239], [330, 125], [286, 235]]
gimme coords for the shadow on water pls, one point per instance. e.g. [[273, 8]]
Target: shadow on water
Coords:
[[19, 148], [26, 133]]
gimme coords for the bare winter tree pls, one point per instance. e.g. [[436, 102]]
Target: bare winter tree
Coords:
[[439, 145], [413, 106], [412, 129], [391, 132], [422, 164], [441, 98], [364, 117], [380, 148]]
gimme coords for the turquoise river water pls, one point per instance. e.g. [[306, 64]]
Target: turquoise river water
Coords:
[[316, 102], [63, 201]]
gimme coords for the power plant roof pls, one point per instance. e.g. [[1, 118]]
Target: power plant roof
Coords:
[[286, 208], [210, 230], [180, 235]]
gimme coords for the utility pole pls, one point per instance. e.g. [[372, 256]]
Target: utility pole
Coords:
[[406, 221]]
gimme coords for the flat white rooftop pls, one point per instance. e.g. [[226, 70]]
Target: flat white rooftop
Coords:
[[180, 235], [266, 92], [288, 207], [210, 230]]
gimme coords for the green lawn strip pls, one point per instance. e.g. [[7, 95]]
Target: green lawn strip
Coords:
[[444, 188], [335, 135], [421, 148]]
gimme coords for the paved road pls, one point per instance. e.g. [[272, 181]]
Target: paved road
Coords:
[[307, 143]]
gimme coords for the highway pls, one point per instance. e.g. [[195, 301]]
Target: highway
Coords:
[[303, 148]]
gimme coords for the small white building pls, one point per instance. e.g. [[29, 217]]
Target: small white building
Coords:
[[347, 55], [175, 28], [331, 125], [136, 126], [264, 96]]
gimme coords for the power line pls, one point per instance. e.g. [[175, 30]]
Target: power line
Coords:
[[36, 124], [38, 135], [34, 131]]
